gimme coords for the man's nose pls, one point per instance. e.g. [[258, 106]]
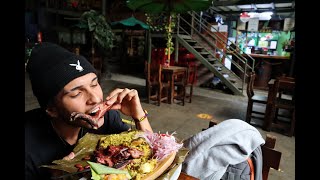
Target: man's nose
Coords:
[[93, 98]]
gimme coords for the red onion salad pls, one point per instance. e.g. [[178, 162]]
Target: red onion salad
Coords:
[[162, 144]]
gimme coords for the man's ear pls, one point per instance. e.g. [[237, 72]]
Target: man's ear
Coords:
[[52, 112]]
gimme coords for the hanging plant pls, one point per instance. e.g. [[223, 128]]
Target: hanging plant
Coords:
[[161, 22], [156, 22], [169, 28], [98, 26]]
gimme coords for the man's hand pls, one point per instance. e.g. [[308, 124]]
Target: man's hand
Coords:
[[126, 100], [69, 157]]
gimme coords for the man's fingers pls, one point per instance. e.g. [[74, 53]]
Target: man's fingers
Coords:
[[123, 94], [131, 94], [117, 95], [116, 106], [69, 157], [113, 93]]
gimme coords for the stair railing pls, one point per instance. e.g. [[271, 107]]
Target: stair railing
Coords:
[[238, 54], [196, 31], [203, 25]]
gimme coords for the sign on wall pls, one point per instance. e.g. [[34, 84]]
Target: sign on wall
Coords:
[[288, 24], [241, 25], [253, 24]]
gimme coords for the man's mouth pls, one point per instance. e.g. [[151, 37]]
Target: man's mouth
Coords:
[[93, 116]]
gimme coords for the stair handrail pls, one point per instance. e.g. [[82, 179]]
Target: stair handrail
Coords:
[[209, 42], [222, 41], [181, 28], [224, 54], [194, 29]]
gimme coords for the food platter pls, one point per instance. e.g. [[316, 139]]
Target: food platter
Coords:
[[161, 167], [165, 167]]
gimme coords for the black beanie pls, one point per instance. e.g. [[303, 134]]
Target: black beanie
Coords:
[[51, 67]]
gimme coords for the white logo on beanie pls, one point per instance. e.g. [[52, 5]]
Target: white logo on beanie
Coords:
[[78, 66]]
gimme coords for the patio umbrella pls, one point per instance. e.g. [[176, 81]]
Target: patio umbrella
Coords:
[[130, 23], [169, 6], [177, 6]]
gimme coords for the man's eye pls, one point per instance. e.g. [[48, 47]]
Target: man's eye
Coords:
[[75, 94], [94, 85]]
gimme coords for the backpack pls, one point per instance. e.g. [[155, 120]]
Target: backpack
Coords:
[[251, 169]]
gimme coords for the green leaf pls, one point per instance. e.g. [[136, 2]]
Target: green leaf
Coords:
[[95, 176], [98, 26], [102, 169]]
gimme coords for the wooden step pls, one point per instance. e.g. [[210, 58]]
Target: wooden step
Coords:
[[198, 48], [185, 37], [191, 42], [205, 54], [211, 60]]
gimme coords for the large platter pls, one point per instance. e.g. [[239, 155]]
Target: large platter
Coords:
[[87, 144], [161, 167]]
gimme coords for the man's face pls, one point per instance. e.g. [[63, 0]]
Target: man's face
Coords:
[[80, 95]]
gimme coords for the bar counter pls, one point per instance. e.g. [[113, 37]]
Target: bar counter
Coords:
[[265, 56], [266, 67]]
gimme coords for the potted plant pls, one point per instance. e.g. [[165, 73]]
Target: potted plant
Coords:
[[100, 31]]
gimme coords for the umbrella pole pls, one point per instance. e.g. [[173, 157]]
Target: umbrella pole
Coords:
[[131, 42], [169, 31]]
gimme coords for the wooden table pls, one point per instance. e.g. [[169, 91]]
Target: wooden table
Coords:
[[172, 72], [184, 176]]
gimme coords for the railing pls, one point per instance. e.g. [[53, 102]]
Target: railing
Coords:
[[199, 26]]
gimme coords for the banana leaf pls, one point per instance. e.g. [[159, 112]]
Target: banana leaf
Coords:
[[85, 147]]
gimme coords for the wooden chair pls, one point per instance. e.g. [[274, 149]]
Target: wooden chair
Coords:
[[180, 84], [252, 99], [157, 89], [270, 157], [191, 80], [280, 93], [185, 81], [276, 102]]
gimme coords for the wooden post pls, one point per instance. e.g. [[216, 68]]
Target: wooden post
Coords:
[[177, 43], [149, 46], [177, 50]]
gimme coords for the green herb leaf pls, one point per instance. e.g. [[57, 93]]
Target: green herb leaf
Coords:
[[102, 169]]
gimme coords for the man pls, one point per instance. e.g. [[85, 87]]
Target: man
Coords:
[[63, 83]]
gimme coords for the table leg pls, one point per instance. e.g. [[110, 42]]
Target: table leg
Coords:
[[171, 89]]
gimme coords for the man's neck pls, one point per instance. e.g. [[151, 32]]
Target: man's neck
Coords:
[[65, 131]]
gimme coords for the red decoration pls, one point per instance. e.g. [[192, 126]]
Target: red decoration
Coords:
[[244, 17]]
